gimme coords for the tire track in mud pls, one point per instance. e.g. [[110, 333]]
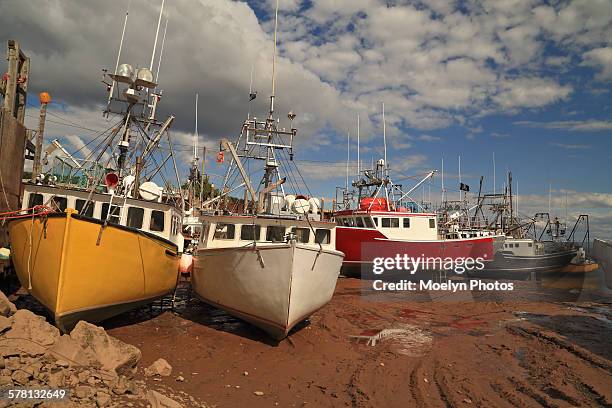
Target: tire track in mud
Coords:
[[555, 340], [563, 380]]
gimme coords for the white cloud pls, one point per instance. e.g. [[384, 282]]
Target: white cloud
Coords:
[[590, 125], [600, 58], [530, 92]]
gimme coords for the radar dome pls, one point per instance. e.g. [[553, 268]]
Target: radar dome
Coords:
[[300, 206], [150, 191]]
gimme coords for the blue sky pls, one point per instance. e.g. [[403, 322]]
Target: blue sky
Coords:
[[526, 80]]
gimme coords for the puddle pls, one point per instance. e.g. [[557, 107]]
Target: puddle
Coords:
[[405, 339]]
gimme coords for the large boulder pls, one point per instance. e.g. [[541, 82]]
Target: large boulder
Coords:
[[28, 334], [110, 354], [68, 350], [7, 308]]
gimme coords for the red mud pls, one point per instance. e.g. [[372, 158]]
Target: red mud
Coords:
[[461, 353]]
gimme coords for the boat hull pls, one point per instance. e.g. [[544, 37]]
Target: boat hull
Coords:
[[273, 287], [507, 265], [361, 246], [59, 260], [602, 252]]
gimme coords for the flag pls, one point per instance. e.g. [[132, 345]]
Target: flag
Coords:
[[252, 96], [464, 187], [220, 157]]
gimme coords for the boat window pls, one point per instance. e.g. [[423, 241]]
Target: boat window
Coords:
[[322, 236], [529, 244], [157, 221], [375, 221], [134, 217], [368, 222], [250, 232], [406, 222], [301, 234], [517, 245], [340, 221], [61, 203], [225, 231], [35, 199], [87, 211], [390, 222], [432, 223], [114, 215], [350, 222], [359, 222], [275, 234]]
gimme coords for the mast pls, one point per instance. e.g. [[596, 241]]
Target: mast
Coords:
[[358, 163], [443, 191], [112, 88], [460, 190], [161, 51], [195, 134], [274, 62], [348, 157], [494, 190], [385, 140], [161, 10]]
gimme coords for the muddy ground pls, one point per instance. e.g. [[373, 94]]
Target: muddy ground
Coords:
[[544, 344]]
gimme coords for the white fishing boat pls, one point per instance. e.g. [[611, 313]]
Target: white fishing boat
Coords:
[[269, 259]]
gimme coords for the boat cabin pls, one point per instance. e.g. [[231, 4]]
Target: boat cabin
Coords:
[[160, 219], [228, 231], [394, 225], [523, 247]]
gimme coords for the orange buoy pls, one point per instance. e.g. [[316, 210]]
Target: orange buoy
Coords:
[[186, 264], [44, 97]]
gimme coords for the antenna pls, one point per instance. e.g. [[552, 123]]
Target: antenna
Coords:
[[127, 12], [443, 191], [460, 191], [494, 191], [161, 51], [161, 10], [385, 138], [549, 198], [358, 163], [274, 61], [195, 135], [348, 157]]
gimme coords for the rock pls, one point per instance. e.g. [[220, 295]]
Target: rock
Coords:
[[56, 380], [6, 380], [83, 376], [7, 308], [29, 334], [83, 391], [102, 399], [258, 393], [5, 323], [245, 373], [12, 363], [159, 367], [68, 352], [124, 386], [158, 400], [180, 378], [21, 377], [112, 354]]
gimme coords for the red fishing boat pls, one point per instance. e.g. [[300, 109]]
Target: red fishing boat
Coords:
[[386, 227]]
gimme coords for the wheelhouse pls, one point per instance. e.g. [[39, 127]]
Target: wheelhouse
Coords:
[[160, 219], [393, 224], [235, 231]]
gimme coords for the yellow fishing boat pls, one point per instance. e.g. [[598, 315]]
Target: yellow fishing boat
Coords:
[[81, 269], [110, 238]]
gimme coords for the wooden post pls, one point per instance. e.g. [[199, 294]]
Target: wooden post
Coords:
[[44, 98]]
